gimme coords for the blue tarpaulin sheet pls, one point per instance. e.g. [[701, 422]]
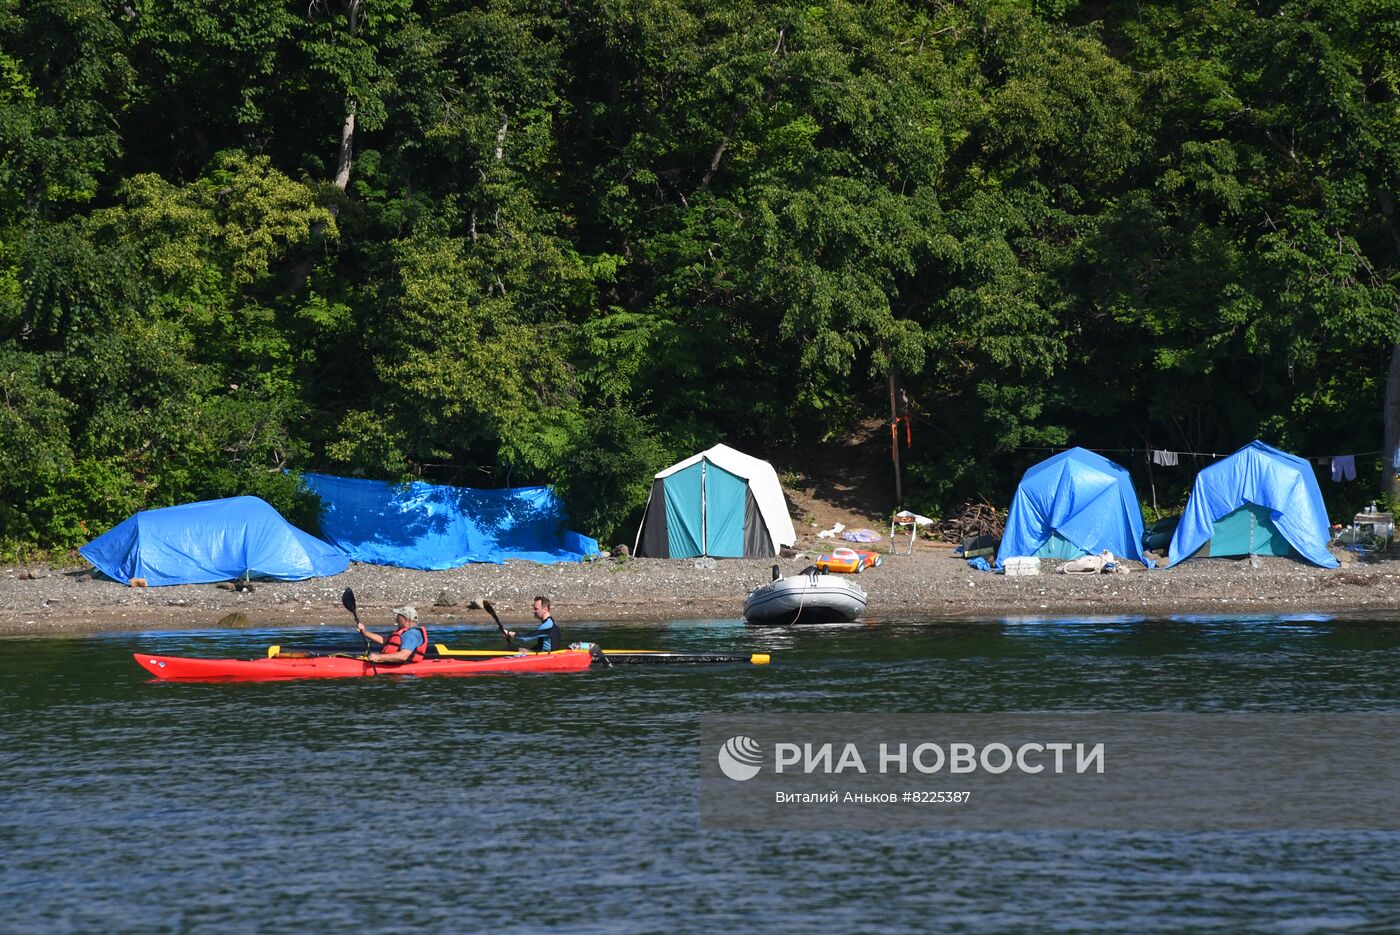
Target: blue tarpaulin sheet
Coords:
[[1075, 498], [435, 526], [1261, 475], [214, 540]]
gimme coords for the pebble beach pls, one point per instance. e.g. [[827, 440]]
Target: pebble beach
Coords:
[[930, 583]]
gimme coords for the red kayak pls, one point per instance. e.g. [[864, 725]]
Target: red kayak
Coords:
[[183, 668]]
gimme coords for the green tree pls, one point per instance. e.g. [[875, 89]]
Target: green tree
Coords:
[[1253, 258]]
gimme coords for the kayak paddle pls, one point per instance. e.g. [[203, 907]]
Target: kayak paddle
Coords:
[[485, 605], [348, 600]]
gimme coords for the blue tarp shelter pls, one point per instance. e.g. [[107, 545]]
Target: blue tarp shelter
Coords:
[[435, 526], [1257, 501], [1071, 504], [214, 540]]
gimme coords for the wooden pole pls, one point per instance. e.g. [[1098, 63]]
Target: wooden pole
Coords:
[[1151, 481], [894, 442]]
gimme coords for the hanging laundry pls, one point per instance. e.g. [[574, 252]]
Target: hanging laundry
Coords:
[[1395, 462], [1344, 468], [1324, 462], [1164, 458]]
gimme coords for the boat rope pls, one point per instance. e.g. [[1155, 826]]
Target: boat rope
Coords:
[[811, 573]]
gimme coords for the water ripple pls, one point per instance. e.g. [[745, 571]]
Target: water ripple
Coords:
[[538, 803]]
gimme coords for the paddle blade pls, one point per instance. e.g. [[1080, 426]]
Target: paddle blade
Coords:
[[348, 599], [486, 606]]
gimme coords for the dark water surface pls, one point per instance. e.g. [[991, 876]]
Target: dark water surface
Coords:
[[569, 802]]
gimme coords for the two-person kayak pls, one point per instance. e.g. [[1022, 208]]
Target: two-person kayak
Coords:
[[184, 668]]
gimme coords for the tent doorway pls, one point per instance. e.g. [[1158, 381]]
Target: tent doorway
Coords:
[[1249, 530]]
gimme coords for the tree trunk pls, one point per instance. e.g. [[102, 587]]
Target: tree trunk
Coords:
[[738, 112], [1390, 483], [347, 129], [723, 145], [347, 147]]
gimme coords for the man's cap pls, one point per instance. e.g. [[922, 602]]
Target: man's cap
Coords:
[[408, 612]]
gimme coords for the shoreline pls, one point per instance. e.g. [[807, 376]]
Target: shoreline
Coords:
[[930, 584]]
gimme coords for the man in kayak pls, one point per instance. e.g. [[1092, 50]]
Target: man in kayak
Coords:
[[547, 635], [407, 643]]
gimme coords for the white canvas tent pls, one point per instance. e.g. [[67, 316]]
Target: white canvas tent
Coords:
[[720, 502]]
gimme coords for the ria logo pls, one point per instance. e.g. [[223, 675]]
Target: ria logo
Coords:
[[740, 758]]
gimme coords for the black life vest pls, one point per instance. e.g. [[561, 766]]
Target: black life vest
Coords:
[[548, 637]]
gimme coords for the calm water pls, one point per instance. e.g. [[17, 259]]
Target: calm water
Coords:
[[569, 802]]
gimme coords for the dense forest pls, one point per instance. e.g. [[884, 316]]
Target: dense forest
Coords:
[[505, 242]]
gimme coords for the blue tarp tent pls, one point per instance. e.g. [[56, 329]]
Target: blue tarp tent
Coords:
[[434, 526], [215, 540], [1071, 504], [1244, 504]]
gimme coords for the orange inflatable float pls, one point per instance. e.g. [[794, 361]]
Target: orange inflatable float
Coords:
[[847, 561]]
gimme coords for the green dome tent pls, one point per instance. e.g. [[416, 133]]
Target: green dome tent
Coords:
[[721, 503]]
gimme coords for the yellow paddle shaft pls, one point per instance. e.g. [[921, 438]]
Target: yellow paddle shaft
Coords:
[[758, 659]]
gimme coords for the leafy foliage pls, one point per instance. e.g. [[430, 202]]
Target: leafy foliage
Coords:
[[575, 242]]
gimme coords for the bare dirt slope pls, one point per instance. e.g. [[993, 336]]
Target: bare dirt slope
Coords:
[[848, 480]]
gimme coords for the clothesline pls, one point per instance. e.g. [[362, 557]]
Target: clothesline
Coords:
[[1343, 466], [1194, 454], [1148, 449]]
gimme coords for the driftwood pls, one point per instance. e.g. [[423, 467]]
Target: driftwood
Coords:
[[972, 520]]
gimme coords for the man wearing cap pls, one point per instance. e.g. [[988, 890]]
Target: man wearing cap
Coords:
[[407, 643]]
